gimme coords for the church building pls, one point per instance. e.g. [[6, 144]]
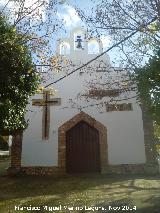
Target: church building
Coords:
[[92, 123]]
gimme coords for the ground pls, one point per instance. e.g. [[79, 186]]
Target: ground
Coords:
[[140, 193]]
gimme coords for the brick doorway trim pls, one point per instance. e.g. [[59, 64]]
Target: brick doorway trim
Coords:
[[82, 116]]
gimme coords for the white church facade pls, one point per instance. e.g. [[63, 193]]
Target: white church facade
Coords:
[[92, 124]]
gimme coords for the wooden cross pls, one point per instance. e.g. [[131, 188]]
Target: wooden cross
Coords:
[[46, 102]]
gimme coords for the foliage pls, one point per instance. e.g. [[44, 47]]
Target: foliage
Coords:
[[157, 131], [133, 27], [138, 21], [18, 78], [148, 81], [38, 20]]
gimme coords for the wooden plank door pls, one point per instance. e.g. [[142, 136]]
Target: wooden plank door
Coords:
[[82, 149]]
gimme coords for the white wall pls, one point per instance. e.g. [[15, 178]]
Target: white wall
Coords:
[[124, 129]]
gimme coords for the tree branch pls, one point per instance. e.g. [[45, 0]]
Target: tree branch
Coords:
[[115, 45]]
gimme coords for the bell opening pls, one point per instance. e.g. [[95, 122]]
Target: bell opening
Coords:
[[78, 41]]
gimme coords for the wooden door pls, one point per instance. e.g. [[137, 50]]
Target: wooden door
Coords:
[[82, 149]]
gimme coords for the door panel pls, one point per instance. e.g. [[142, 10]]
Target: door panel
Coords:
[[82, 149]]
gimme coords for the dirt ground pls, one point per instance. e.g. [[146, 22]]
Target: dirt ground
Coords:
[[80, 193]]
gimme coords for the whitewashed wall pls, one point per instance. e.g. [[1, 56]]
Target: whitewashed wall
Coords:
[[125, 129]]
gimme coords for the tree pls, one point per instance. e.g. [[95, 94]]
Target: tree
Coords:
[[18, 78], [130, 24], [38, 20], [133, 27], [136, 20], [25, 39], [148, 81]]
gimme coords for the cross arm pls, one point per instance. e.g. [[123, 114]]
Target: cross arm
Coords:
[[54, 102], [38, 102]]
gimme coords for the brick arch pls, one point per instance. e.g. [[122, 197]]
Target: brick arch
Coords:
[[93, 123]]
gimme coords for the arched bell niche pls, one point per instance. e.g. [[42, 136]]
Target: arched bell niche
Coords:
[[64, 48], [93, 47]]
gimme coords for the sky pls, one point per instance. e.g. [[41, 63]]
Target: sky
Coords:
[[66, 12], [71, 18]]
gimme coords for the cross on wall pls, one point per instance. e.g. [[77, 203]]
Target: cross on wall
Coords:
[[46, 102]]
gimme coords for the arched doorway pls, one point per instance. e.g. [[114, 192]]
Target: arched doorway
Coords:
[[76, 126]]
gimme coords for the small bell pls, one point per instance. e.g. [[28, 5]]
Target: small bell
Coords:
[[79, 42]]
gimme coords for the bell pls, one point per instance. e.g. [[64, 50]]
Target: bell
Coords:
[[79, 42]]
